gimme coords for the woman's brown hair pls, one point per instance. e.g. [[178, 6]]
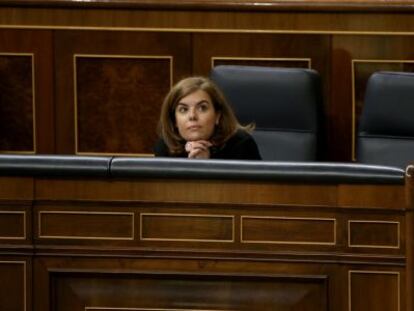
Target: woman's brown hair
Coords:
[[225, 128]]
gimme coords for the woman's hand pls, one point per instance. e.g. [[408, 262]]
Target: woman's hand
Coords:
[[198, 149]]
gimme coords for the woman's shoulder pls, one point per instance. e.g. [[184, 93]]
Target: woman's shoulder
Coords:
[[241, 135], [241, 146], [160, 148]]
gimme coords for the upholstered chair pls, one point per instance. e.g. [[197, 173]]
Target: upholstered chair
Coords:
[[386, 130], [284, 104]]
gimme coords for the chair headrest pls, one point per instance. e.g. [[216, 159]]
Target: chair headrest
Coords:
[[389, 105], [273, 98]]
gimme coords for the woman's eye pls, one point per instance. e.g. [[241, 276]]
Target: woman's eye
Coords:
[[203, 107], [182, 109]]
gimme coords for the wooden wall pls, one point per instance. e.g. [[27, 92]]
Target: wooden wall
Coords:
[[79, 78]]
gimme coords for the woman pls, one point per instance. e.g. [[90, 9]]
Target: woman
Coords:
[[197, 122]]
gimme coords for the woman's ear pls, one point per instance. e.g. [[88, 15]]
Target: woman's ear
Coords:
[[218, 118]]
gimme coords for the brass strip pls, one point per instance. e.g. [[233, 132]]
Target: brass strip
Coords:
[[187, 215], [33, 104], [376, 222], [242, 240], [24, 279], [24, 225], [408, 170], [372, 272], [116, 154], [308, 60], [86, 237], [150, 309], [75, 94], [211, 30], [353, 62]]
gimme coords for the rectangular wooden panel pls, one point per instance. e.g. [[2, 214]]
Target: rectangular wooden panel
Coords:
[[371, 233], [13, 285], [86, 225], [375, 196], [12, 225], [17, 110], [374, 290], [27, 88], [187, 227], [126, 74], [133, 86], [288, 230]]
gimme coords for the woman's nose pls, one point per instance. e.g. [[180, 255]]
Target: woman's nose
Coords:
[[192, 114]]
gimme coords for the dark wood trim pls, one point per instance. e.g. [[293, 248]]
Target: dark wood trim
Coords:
[[224, 5]]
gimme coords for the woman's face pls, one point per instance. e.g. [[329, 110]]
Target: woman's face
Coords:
[[196, 117]]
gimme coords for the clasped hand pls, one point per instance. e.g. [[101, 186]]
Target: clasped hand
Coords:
[[198, 149]]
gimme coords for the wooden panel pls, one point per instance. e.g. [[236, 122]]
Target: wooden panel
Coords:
[[286, 48], [376, 234], [182, 227], [384, 196], [17, 103], [126, 75], [374, 290], [206, 191], [288, 230], [26, 111], [188, 292], [133, 88], [86, 225], [12, 225], [13, 285]]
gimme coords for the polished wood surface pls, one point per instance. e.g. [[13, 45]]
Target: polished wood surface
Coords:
[[142, 244]]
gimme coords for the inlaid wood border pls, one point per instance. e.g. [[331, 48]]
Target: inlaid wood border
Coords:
[[242, 240], [24, 226], [209, 30], [75, 94], [232, 217], [86, 237], [32, 56], [24, 278], [287, 59], [350, 272], [375, 222], [150, 309]]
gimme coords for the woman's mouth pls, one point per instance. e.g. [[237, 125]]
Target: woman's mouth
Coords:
[[193, 127]]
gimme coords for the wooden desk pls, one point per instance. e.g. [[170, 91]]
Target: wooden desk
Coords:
[[195, 244]]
